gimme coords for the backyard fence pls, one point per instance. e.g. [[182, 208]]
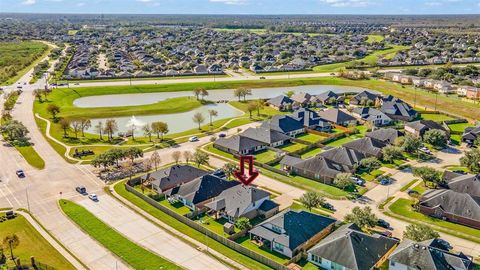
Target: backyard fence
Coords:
[[225, 241]]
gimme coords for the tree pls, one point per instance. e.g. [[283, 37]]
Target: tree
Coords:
[[99, 129], [132, 153], [251, 106], [129, 168], [38, 94], [390, 153], [260, 105], [16, 133], [435, 137], [197, 92], [77, 126], [419, 232], [238, 93], [110, 128], [229, 169], [343, 180], [246, 92], [85, 123], [289, 93], [362, 217], [53, 110], [12, 241], [160, 128], [212, 113], [411, 143], [155, 159], [370, 164], [243, 223], [311, 199], [187, 155], [198, 119], [203, 93], [176, 156], [471, 160], [200, 157], [147, 131], [427, 174], [65, 125]]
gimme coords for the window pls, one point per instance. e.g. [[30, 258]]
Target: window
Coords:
[[276, 229], [278, 247], [316, 259]]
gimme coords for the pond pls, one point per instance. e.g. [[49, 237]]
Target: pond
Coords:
[[213, 95], [177, 122]]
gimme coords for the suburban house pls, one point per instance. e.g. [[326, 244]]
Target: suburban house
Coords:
[[173, 176], [364, 98], [284, 124], [325, 98], [397, 109], [428, 254], [462, 90], [239, 145], [344, 156], [243, 201], [200, 191], [470, 134], [367, 146], [463, 183], [267, 136], [290, 232], [446, 204], [350, 248], [302, 98], [419, 127], [317, 168], [385, 135], [337, 117], [473, 93], [310, 119], [372, 115], [281, 103], [418, 82], [443, 87]]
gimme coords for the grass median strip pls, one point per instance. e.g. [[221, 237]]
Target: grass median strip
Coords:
[[31, 156], [131, 253], [185, 229]]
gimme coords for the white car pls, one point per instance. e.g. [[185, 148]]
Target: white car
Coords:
[[193, 139], [93, 197]]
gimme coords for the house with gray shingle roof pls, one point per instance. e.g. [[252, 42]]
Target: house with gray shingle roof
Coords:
[[372, 115], [317, 168], [350, 248], [367, 146], [172, 176], [363, 98], [285, 124], [281, 103], [239, 145], [464, 183], [310, 119], [266, 135], [290, 232], [421, 126], [385, 135], [470, 134], [325, 98], [427, 255], [397, 109], [345, 156], [338, 117]]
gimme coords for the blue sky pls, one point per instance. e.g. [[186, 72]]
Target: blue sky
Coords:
[[245, 6]]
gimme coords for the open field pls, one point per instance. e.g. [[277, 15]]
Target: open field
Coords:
[[435, 117], [131, 253], [31, 244], [16, 58], [142, 78], [375, 38]]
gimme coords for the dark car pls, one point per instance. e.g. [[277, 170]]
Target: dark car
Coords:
[[328, 206], [20, 173], [81, 189], [459, 172], [382, 223], [222, 135], [262, 78], [10, 214]]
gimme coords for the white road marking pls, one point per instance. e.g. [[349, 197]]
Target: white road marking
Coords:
[[6, 198]]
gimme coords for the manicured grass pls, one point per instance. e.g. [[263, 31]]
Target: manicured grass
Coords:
[[298, 206], [403, 208], [245, 241], [86, 81], [375, 38], [456, 139], [407, 186], [31, 244], [382, 204], [341, 141], [310, 137], [265, 156], [219, 152], [372, 175], [213, 225], [311, 153], [136, 256], [420, 188], [436, 117], [458, 168], [42, 125], [31, 156], [181, 227], [292, 147], [178, 207], [460, 127]]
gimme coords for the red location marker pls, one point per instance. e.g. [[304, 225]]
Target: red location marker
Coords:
[[252, 174]]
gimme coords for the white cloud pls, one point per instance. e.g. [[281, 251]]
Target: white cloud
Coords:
[[347, 3], [29, 2], [81, 4], [230, 2]]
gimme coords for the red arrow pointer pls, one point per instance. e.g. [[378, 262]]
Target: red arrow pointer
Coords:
[[240, 175]]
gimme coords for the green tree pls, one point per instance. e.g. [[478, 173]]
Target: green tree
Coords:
[[132, 153], [110, 128], [65, 125], [362, 217], [200, 158], [85, 123], [212, 113], [370, 164], [260, 105], [427, 174], [251, 106], [12, 241], [343, 180], [390, 153], [419, 232], [471, 160], [229, 169], [53, 110], [435, 137], [411, 143], [311, 199], [16, 133], [289, 93], [160, 128], [243, 223]]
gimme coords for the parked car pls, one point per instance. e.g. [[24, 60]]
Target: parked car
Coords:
[[358, 180], [93, 197], [81, 189], [193, 139], [262, 78], [76, 83], [385, 181], [384, 224], [328, 206], [20, 173], [222, 135]]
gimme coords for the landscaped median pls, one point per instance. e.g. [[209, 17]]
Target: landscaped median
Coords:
[[134, 255]]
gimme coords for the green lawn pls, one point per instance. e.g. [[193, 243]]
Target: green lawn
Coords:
[[460, 127], [210, 148], [31, 244], [213, 225], [292, 147], [265, 156], [420, 188], [403, 208], [178, 207], [435, 117], [375, 38], [185, 229], [311, 153], [341, 141], [245, 241], [310, 137], [31, 156], [407, 186], [136, 256], [372, 175], [298, 206]]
